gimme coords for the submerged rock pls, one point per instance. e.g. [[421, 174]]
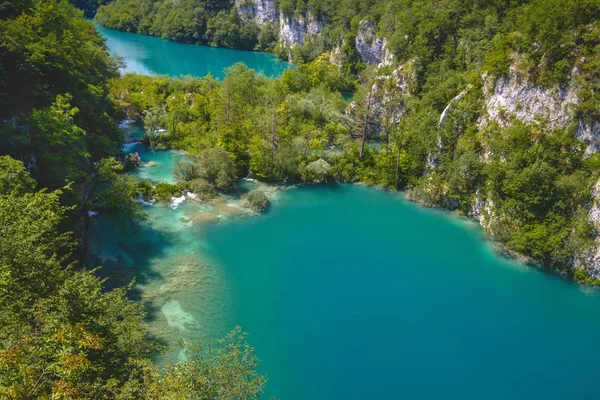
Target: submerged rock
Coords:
[[177, 318]]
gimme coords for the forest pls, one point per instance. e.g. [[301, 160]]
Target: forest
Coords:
[[61, 94]]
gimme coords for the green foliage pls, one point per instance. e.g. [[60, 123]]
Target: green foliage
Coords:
[[145, 188], [59, 143], [114, 192], [203, 189], [267, 39], [298, 128], [62, 335], [257, 200], [14, 178], [132, 161], [164, 191], [185, 171], [216, 167], [225, 370], [317, 171], [31, 249], [52, 55], [211, 22]]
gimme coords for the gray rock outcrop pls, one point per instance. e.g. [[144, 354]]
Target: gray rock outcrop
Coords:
[[372, 49], [297, 31], [514, 97], [590, 259], [260, 11]]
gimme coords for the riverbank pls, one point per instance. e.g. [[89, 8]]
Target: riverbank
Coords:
[[164, 160]]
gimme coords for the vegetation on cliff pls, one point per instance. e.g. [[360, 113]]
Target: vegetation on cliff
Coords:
[[189, 21]]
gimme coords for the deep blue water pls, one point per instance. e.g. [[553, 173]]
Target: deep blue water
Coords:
[[354, 293]]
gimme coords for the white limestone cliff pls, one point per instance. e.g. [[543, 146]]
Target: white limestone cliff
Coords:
[[372, 49], [260, 11], [294, 31]]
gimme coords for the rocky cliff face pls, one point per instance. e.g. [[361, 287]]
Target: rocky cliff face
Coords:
[[483, 210], [260, 11], [296, 31], [514, 97], [336, 56], [293, 30], [590, 259], [387, 106], [372, 49]]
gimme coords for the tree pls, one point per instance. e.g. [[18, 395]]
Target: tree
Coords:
[[216, 167], [32, 250], [363, 112], [112, 192], [317, 171], [14, 178], [63, 335], [153, 118], [257, 200], [226, 371]]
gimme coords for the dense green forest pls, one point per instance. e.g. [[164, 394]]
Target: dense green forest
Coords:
[[212, 22], [63, 335]]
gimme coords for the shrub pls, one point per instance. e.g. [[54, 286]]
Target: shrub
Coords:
[[132, 161], [185, 171], [164, 191], [215, 166], [257, 200], [145, 189], [317, 171], [203, 189]]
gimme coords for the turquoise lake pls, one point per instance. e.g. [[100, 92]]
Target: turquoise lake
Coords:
[[155, 56], [349, 292]]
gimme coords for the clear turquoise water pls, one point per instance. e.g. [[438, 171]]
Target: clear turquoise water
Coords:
[[349, 292], [155, 56]]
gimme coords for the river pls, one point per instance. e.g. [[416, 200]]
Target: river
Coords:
[[349, 292]]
